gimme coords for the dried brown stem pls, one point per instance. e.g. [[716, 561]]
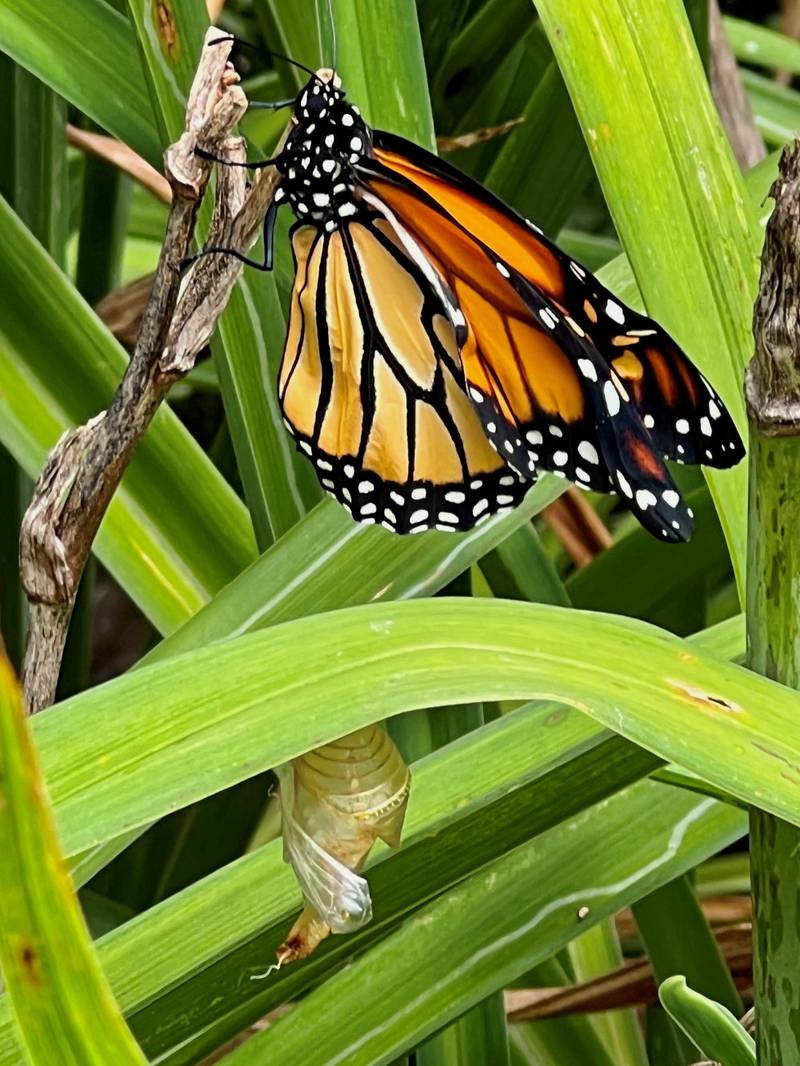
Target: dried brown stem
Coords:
[[86, 466], [122, 157], [730, 95], [460, 141], [631, 985], [578, 526], [772, 385]]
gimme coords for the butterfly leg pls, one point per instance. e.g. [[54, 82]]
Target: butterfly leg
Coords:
[[269, 105], [259, 164], [269, 246]]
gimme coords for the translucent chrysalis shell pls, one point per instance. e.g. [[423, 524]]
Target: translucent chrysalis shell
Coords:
[[336, 801]]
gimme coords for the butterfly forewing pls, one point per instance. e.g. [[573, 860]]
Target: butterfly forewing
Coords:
[[686, 418]]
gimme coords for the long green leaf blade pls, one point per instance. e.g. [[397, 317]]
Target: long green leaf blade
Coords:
[[87, 55], [328, 562], [493, 927], [680, 207], [179, 722], [472, 801], [62, 1003], [176, 532]]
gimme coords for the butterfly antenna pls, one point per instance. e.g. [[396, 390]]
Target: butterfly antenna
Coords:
[[264, 52]]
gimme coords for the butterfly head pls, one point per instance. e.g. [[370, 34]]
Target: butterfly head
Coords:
[[328, 138]]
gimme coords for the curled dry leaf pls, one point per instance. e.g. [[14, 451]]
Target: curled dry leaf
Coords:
[[467, 140]]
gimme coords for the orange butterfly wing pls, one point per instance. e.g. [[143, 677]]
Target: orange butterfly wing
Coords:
[[558, 383], [685, 417]]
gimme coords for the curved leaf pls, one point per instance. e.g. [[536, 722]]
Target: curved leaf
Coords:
[[492, 928], [472, 801], [198, 723], [710, 1025], [175, 531], [87, 53]]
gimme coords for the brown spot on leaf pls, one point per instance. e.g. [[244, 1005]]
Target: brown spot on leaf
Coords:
[[167, 28], [30, 963], [706, 700], [293, 948]]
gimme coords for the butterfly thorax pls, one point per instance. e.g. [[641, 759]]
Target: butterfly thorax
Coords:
[[327, 138]]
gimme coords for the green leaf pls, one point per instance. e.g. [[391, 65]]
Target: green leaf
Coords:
[[520, 569], [382, 70], [41, 190], [544, 185], [680, 207], [776, 108], [180, 723], [759, 45], [63, 1006], [329, 561], [641, 577], [86, 52], [175, 531], [553, 1042], [679, 940], [300, 30], [476, 1038], [593, 954], [493, 927], [477, 49], [472, 801], [170, 38], [711, 1026]]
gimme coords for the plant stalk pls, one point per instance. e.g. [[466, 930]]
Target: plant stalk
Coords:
[[773, 603]]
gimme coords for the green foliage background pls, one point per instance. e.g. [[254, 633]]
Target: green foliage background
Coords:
[[540, 730]]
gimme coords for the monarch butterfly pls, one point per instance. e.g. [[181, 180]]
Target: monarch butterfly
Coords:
[[441, 352]]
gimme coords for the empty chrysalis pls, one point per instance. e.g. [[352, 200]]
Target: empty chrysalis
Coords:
[[336, 801]]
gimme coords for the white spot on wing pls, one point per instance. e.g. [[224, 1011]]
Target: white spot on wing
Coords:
[[611, 397], [615, 312], [588, 451], [586, 367]]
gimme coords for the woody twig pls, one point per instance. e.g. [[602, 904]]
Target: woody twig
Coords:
[[86, 466]]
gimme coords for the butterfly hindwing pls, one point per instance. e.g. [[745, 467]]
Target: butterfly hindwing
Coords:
[[371, 389]]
